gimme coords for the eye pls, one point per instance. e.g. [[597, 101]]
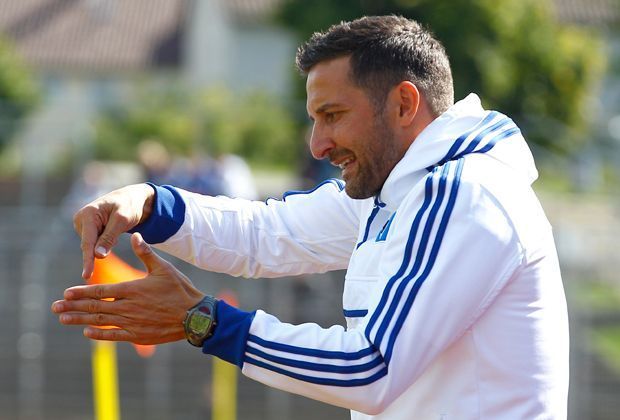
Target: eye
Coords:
[[330, 116]]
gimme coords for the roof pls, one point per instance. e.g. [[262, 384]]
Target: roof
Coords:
[[121, 35], [588, 12]]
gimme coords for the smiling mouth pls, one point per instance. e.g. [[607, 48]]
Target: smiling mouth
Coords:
[[345, 163], [342, 164]]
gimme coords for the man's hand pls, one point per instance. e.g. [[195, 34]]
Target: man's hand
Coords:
[[101, 222], [145, 311]]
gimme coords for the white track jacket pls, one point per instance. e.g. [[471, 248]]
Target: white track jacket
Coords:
[[453, 298]]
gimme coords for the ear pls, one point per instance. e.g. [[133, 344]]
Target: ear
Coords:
[[408, 97]]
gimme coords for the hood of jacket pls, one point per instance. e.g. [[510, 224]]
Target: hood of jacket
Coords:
[[463, 129]]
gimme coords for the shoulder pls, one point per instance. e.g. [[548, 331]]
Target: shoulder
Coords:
[[476, 194], [495, 194]]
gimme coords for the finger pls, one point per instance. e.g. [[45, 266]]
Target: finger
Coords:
[[88, 235], [86, 305], [107, 335], [97, 291], [113, 229], [57, 306], [146, 254], [81, 318]]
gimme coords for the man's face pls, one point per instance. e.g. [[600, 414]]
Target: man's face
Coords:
[[348, 130]]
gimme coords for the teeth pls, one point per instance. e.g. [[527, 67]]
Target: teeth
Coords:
[[345, 163]]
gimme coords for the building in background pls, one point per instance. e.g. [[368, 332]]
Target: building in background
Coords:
[[91, 54]]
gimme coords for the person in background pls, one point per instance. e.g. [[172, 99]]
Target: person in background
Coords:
[[156, 162], [237, 177]]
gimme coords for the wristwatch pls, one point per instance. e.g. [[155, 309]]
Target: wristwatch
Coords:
[[200, 321]]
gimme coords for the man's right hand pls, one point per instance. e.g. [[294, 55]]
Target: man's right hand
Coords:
[[101, 222]]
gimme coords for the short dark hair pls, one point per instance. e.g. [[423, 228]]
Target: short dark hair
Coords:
[[384, 51]]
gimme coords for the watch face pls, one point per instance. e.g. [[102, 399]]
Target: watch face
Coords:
[[199, 323]]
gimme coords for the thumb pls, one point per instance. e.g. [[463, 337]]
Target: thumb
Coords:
[[150, 259]]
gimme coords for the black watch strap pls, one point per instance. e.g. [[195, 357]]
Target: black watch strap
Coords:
[[200, 321]]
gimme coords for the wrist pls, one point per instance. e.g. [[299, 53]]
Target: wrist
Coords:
[[165, 209], [149, 202]]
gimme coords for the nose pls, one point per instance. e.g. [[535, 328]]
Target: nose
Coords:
[[320, 143]]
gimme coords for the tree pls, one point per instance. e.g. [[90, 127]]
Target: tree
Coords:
[[511, 52], [18, 92], [255, 126]]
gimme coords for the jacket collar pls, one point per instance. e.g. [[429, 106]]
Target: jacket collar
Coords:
[[463, 129]]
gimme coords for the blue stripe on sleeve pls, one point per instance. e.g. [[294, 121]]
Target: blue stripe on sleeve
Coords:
[[452, 153], [324, 354], [319, 381], [498, 138], [167, 217], [430, 263], [459, 141], [319, 367], [424, 241], [476, 141]]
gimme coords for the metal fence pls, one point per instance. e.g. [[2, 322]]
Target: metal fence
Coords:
[[45, 370]]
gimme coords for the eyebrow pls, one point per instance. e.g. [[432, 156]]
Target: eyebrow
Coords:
[[325, 107]]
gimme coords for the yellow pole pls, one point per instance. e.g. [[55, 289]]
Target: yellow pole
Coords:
[[105, 380], [224, 395]]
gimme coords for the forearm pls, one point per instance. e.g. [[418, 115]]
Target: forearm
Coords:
[[252, 239], [332, 365]]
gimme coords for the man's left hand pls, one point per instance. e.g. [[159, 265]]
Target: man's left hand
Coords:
[[144, 311]]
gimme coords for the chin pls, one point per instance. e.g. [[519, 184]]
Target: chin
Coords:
[[357, 193]]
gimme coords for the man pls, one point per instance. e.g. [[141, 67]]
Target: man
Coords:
[[453, 297]]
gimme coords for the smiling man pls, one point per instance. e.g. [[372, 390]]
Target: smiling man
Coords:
[[453, 297]]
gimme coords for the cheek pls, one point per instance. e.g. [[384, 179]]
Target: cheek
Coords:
[[353, 134]]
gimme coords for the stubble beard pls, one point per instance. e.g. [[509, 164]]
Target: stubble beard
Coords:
[[376, 160]]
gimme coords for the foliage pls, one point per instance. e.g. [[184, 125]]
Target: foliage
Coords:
[[18, 91], [606, 341], [254, 126], [595, 296], [599, 299], [511, 52]]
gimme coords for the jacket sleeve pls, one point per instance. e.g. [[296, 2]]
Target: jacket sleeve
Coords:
[[305, 232], [450, 250]]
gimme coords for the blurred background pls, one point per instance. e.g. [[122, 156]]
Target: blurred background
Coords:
[[96, 94]]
